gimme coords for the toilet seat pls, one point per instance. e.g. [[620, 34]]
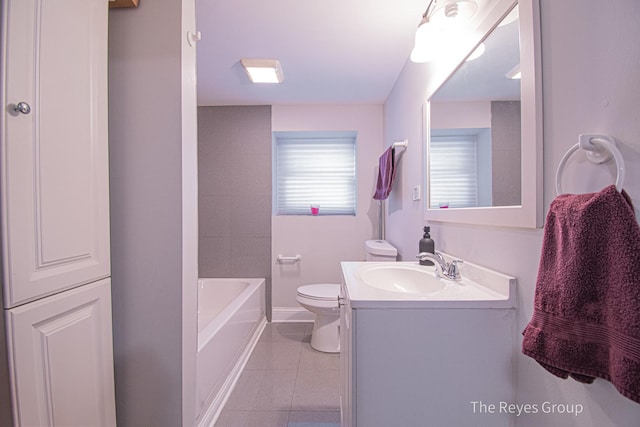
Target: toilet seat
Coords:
[[322, 296], [321, 292]]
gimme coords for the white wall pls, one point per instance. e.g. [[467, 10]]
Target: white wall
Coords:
[[153, 156], [590, 58], [324, 241]]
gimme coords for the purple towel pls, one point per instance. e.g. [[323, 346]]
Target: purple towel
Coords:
[[586, 320], [386, 173]]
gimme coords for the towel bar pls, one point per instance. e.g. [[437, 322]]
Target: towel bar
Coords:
[[599, 148], [401, 144]]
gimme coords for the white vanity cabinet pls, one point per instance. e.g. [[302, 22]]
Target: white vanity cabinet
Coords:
[[426, 366], [55, 213]]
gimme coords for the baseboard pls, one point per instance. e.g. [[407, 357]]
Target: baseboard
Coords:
[[291, 314]]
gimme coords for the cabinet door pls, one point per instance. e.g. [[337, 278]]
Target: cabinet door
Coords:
[[55, 213], [61, 359]]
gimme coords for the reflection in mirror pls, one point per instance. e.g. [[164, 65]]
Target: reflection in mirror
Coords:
[[475, 145], [511, 194]]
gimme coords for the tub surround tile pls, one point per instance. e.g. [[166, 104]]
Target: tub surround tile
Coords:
[[214, 177], [252, 269], [214, 257], [248, 257], [234, 160], [250, 247], [252, 178], [251, 216], [214, 216]]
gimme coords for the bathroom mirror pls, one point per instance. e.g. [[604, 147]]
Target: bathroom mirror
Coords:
[[483, 129]]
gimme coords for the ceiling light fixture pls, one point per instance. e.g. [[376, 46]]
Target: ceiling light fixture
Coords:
[[263, 70], [440, 27], [511, 17]]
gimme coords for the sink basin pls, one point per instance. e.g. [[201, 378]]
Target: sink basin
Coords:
[[411, 279], [410, 285]]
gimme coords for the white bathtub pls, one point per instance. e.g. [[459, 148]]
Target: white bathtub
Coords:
[[231, 317]]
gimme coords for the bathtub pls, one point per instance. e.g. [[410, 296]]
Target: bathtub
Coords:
[[231, 317]]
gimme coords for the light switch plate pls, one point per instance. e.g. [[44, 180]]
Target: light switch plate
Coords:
[[416, 192]]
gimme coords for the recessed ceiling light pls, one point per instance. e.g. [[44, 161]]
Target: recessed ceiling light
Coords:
[[263, 70]]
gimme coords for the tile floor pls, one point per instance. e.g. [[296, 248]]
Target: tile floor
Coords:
[[286, 383]]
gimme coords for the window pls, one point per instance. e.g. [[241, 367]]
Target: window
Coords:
[[314, 168], [454, 176]]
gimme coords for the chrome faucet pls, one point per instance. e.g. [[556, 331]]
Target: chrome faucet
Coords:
[[449, 271]]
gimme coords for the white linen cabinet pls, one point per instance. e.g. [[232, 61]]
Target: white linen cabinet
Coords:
[[55, 213]]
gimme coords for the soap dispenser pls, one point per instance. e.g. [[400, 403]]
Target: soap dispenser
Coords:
[[426, 245]]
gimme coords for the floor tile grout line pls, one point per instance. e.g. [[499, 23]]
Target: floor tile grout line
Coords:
[[295, 382], [302, 348]]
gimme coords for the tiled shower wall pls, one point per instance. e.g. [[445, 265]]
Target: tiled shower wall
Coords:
[[505, 149], [234, 195]]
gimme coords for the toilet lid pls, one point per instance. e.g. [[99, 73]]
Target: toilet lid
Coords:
[[327, 291]]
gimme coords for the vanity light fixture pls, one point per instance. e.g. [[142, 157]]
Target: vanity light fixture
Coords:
[[263, 70], [437, 29], [514, 73]]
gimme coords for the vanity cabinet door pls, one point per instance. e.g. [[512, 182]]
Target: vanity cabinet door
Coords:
[[54, 171], [415, 367]]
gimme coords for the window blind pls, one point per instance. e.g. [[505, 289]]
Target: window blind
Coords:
[[453, 174], [312, 168]]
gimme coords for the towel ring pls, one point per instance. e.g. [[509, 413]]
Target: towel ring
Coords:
[[599, 148]]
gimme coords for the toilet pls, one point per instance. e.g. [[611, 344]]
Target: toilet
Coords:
[[322, 300]]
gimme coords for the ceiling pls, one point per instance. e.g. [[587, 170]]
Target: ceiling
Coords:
[[484, 79], [331, 51]]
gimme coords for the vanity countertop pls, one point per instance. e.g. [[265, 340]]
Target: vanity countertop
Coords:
[[396, 285]]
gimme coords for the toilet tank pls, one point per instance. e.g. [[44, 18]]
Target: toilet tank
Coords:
[[380, 250]]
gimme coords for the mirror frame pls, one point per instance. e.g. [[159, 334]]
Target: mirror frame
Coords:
[[529, 213]]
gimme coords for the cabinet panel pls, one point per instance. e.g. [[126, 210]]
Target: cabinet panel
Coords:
[[414, 367], [61, 360], [54, 158]]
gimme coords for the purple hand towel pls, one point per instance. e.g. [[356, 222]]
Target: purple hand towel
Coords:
[[586, 319], [386, 174]]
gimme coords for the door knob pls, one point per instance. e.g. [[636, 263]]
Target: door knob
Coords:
[[22, 107]]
